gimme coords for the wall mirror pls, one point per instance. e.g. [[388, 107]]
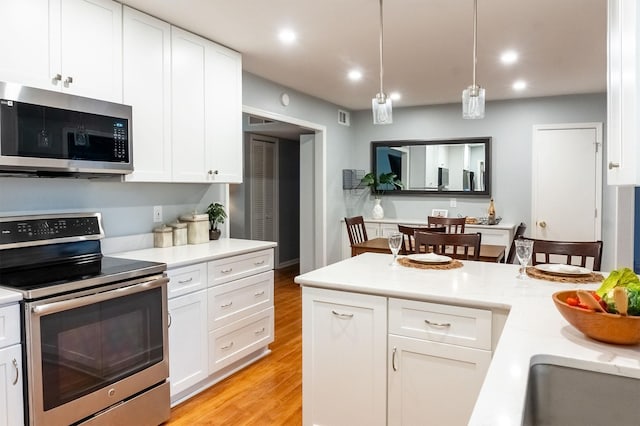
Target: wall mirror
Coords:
[[460, 167]]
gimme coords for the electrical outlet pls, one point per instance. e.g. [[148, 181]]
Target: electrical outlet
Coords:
[[157, 214], [453, 202]]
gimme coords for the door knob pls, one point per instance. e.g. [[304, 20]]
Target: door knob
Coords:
[[542, 224], [613, 165]]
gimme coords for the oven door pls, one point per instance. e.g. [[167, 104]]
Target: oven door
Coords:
[[87, 353]]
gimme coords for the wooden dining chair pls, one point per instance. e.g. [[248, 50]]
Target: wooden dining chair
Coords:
[[408, 231], [512, 249], [452, 245], [356, 230], [454, 225], [567, 252]]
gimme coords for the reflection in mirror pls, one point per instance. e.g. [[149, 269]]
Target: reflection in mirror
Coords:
[[436, 167]]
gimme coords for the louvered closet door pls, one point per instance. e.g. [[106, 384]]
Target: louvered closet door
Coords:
[[263, 190]]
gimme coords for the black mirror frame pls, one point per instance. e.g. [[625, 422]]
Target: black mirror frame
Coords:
[[486, 140]]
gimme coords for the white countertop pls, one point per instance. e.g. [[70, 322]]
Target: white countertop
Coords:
[[177, 256], [534, 329], [9, 296]]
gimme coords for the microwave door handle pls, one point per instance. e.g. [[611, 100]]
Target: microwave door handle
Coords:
[[64, 305]]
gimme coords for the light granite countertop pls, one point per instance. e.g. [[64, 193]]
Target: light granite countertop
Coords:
[[534, 330]]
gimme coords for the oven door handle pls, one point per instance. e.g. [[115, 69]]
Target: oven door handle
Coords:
[[63, 305]]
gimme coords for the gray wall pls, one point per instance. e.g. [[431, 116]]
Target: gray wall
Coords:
[[509, 123]]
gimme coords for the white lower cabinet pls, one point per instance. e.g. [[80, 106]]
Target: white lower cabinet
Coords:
[[372, 360], [343, 358], [11, 377], [188, 363], [433, 383], [221, 319]]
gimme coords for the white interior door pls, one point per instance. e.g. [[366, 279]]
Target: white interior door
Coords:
[[567, 182], [263, 188]]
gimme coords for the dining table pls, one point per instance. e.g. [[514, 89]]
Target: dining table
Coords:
[[488, 252]]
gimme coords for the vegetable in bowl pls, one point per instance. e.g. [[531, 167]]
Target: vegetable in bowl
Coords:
[[626, 279]]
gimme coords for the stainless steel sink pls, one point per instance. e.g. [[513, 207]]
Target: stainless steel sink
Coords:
[[567, 396]]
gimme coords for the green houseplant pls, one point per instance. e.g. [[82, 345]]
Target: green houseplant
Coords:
[[217, 215], [378, 186], [385, 182]]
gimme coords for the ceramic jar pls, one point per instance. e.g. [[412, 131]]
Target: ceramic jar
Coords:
[[179, 233], [197, 228], [162, 237]]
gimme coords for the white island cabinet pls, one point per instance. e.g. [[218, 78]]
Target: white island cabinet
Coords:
[[343, 356], [459, 342], [11, 408], [73, 46]]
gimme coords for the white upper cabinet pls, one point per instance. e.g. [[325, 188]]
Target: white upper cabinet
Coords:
[[623, 93], [147, 88], [207, 110], [70, 45]]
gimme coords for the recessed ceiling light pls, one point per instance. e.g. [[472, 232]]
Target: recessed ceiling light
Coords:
[[509, 57], [354, 75], [287, 36], [519, 85], [395, 96]]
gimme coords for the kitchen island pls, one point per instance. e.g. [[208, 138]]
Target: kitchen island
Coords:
[[525, 329]]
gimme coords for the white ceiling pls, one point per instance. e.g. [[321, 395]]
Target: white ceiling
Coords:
[[428, 44]]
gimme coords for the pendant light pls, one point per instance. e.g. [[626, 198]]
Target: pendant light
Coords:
[[381, 103], [473, 96]]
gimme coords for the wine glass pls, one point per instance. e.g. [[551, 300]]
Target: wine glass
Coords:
[[395, 241], [524, 250]]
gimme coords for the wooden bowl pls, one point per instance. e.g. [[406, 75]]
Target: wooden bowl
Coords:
[[605, 327]]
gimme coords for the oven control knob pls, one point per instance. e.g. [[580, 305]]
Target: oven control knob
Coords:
[[111, 392]]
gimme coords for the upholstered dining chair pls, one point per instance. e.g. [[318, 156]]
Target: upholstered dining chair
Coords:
[[512, 249], [454, 225], [408, 231], [356, 230], [567, 252], [452, 245]]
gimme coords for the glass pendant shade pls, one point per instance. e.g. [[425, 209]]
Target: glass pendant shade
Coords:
[[473, 102], [382, 109]]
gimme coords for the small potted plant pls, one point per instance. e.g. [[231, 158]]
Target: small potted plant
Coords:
[[378, 186], [217, 215]]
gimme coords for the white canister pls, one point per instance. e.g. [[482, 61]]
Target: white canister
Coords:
[[179, 233], [197, 228], [162, 237]]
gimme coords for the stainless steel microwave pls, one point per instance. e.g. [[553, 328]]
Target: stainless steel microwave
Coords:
[[55, 134]]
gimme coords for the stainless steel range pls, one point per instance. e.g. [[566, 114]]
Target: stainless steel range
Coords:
[[94, 327]]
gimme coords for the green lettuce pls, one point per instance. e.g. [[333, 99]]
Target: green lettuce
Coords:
[[624, 277]]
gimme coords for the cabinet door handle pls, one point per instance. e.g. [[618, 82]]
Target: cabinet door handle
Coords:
[[438, 324], [613, 165], [339, 315], [260, 293], [185, 281], [213, 172], [226, 305], [259, 263], [226, 271], [15, 365], [259, 331], [229, 346], [68, 81], [169, 319], [57, 77], [393, 359]]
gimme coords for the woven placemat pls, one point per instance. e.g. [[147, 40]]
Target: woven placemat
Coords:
[[405, 261], [593, 277]]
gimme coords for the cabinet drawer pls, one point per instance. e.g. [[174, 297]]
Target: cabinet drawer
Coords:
[[9, 325], [231, 301], [441, 323], [187, 279], [234, 341], [232, 268]]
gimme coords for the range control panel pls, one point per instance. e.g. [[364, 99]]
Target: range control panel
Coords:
[[23, 231]]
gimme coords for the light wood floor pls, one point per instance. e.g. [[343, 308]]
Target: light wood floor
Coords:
[[268, 392]]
